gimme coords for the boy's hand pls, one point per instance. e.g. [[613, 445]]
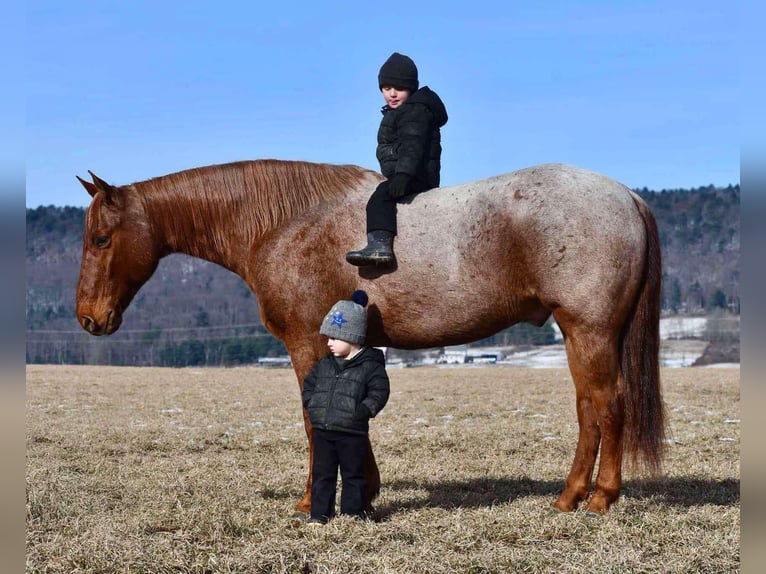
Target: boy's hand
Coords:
[[363, 412], [399, 185]]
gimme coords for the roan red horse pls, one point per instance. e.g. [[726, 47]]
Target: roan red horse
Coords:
[[472, 259]]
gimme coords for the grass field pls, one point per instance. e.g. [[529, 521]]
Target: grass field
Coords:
[[195, 470]]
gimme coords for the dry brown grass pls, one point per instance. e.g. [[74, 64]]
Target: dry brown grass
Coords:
[[195, 470]]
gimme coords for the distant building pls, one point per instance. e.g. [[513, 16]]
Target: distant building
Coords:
[[461, 354], [483, 358], [453, 355]]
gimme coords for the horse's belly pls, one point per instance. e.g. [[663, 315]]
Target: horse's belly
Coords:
[[431, 308]]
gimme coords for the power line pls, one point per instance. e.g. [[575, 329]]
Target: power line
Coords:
[[154, 330], [113, 341]]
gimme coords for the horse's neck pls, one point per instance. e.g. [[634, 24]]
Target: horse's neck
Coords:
[[219, 213], [203, 227]]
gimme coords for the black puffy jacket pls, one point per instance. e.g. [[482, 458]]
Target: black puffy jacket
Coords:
[[409, 139], [343, 397]]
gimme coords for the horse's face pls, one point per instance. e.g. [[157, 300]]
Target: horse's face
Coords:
[[118, 257]]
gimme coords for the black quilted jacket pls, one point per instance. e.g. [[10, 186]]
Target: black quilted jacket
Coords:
[[343, 397], [409, 139]]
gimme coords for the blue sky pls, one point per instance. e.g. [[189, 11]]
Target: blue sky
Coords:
[[645, 92]]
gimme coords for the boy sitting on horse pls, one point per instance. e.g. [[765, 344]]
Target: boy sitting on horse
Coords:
[[409, 152], [343, 391]]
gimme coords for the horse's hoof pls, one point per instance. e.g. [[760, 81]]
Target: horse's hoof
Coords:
[[298, 518], [590, 515], [562, 508]]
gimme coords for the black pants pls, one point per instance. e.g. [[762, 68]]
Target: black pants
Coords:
[[381, 207], [331, 450]]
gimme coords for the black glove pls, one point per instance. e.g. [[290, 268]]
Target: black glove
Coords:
[[399, 185]]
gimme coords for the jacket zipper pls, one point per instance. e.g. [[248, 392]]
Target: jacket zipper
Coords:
[[334, 387]]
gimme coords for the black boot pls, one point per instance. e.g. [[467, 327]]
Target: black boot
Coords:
[[379, 250]]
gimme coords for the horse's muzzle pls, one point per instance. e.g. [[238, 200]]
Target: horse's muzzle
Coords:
[[93, 327]]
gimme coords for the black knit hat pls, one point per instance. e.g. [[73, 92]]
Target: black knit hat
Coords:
[[399, 71]]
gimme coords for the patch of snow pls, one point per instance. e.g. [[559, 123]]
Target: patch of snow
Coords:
[[682, 327], [549, 356], [678, 362]]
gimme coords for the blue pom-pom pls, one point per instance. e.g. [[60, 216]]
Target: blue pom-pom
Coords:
[[359, 297]]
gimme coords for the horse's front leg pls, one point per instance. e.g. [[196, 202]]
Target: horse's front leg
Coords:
[[373, 477], [304, 356], [304, 504]]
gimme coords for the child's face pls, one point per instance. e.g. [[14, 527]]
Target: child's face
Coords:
[[340, 348], [394, 97]]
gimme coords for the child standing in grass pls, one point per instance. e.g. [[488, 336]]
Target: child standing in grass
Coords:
[[343, 391]]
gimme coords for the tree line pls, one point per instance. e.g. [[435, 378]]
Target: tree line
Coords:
[[194, 313], [153, 349]]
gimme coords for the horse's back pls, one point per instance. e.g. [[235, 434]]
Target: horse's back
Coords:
[[538, 210], [547, 191]]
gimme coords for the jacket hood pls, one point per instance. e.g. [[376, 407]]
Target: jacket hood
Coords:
[[428, 97]]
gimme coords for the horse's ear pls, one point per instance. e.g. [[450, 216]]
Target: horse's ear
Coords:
[[89, 187], [109, 191]]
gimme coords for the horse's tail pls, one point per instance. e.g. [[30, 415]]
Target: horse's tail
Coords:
[[644, 431]]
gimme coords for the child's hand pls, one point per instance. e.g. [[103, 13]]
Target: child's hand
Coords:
[[362, 412], [399, 185]]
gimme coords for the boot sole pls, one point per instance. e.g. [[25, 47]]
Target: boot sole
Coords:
[[367, 261]]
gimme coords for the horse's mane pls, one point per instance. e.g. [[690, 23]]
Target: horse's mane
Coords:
[[252, 196]]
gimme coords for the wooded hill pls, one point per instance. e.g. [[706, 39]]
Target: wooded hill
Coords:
[[195, 312]]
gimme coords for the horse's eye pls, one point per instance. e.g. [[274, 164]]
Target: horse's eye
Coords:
[[102, 241]]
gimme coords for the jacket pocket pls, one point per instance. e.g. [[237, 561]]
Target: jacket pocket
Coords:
[[361, 413]]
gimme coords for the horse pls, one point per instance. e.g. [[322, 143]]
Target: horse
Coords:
[[471, 260]]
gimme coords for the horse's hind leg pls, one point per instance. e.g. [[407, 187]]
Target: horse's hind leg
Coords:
[[578, 482], [594, 366]]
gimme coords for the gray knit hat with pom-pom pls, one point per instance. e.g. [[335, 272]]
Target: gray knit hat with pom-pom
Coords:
[[347, 320]]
